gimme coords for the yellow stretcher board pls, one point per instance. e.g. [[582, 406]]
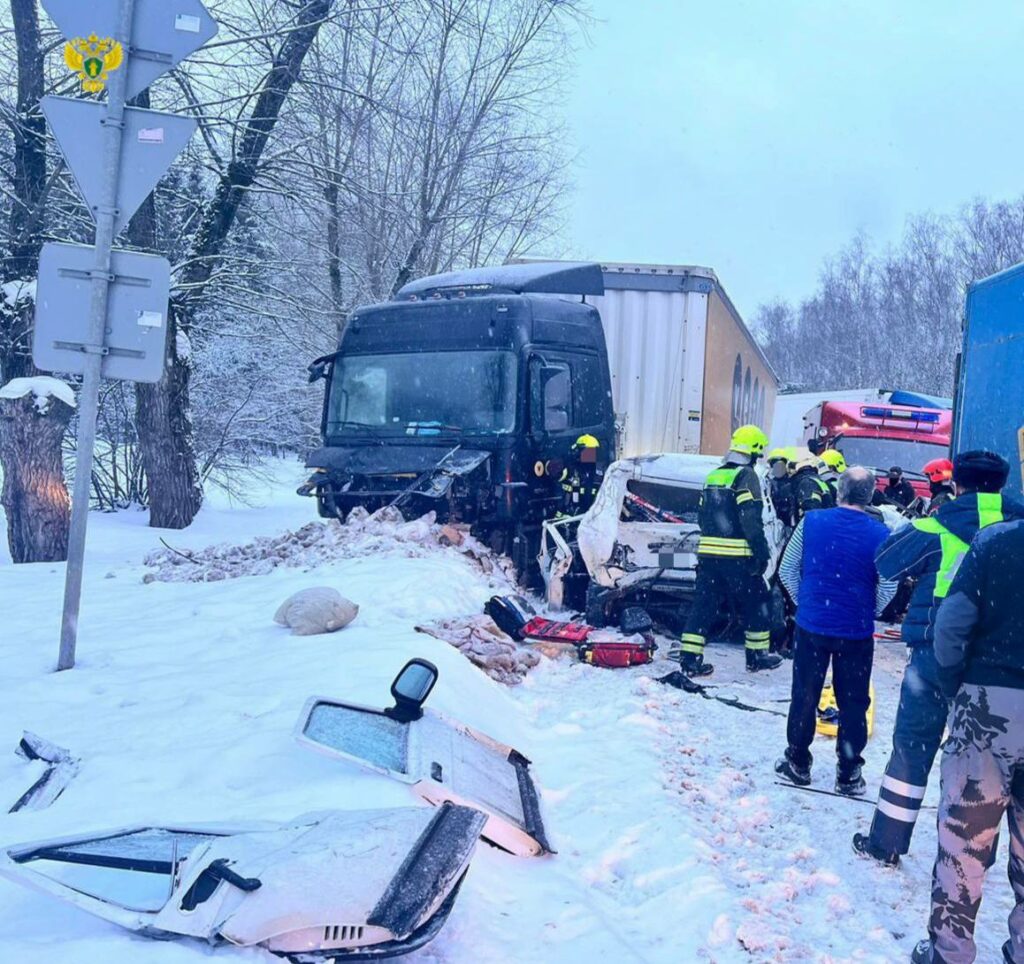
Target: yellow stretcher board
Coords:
[[828, 712]]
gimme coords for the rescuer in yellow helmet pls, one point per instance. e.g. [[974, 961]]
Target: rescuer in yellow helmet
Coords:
[[732, 556], [833, 465], [780, 487], [810, 491], [581, 479]]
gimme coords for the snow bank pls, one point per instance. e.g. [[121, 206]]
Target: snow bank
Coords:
[[43, 387], [386, 531]]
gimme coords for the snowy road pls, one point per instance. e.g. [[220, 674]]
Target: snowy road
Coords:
[[674, 843]]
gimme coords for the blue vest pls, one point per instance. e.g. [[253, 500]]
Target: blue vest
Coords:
[[838, 577]]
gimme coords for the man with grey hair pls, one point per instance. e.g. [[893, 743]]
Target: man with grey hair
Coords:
[[829, 572]]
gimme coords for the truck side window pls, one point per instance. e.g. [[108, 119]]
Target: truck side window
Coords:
[[591, 401], [552, 397]]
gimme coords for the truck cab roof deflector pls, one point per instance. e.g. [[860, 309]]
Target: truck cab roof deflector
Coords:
[[550, 278]]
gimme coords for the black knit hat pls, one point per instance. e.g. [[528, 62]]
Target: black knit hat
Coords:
[[980, 471]]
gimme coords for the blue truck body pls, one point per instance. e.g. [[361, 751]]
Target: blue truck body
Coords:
[[989, 406]]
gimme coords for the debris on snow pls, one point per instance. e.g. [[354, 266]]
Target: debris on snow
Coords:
[[484, 645], [320, 542], [43, 387], [60, 771], [311, 612]]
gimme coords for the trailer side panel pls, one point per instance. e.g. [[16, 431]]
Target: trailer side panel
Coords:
[[739, 385], [990, 390]]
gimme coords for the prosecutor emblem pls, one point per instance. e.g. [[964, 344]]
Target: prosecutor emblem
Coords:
[[93, 60]]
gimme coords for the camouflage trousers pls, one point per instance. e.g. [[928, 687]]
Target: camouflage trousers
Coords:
[[982, 779]]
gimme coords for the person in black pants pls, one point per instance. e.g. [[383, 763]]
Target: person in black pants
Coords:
[[829, 570]]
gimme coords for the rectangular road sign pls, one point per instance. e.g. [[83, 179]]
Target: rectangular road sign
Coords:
[[136, 336], [164, 32], [151, 141]]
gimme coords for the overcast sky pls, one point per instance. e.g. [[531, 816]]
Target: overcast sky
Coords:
[[757, 136]]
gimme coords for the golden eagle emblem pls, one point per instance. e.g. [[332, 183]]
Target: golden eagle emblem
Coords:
[[93, 60]]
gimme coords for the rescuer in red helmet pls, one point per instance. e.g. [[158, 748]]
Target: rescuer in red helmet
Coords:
[[940, 477]]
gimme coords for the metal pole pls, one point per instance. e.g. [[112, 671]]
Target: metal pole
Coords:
[[89, 396]]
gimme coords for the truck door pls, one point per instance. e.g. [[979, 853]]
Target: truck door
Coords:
[[568, 398], [551, 433]]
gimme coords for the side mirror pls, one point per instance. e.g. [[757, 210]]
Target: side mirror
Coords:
[[410, 690], [317, 368]]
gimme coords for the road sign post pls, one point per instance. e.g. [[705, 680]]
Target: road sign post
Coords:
[[117, 155], [89, 396]]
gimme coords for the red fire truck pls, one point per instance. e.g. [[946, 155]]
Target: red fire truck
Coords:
[[881, 434]]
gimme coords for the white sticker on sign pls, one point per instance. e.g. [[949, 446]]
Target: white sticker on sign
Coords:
[[188, 23], [151, 319], [151, 135]]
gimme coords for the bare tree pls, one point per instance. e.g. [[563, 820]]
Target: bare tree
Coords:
[[164, 419], [34, 494], [893, 319]]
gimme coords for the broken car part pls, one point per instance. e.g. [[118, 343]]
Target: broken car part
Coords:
[[60, 771], [440, 758], [332, 886]]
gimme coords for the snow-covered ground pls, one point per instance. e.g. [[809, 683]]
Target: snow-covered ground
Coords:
[[674, 842]]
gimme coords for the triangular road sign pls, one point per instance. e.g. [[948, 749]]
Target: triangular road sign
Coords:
[[164, 32], [149, 145]]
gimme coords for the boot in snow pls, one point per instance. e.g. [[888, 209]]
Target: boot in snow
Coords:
[[863, 846], [692, 664], [759, 659], [922, 953], [852, 785], [788, 770]]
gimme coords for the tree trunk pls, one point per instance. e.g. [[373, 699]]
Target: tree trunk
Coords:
[[162, 412], [34, 494], [164, 425]]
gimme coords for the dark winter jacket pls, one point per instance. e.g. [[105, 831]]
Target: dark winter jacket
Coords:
[[783, 496], [979, 630], [941, 494], [900, 493], [810, 492], [913, 552]]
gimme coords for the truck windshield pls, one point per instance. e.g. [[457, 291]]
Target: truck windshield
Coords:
[[424, 393], [881, 453]]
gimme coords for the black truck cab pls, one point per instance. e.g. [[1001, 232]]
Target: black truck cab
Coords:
[[464, 396]]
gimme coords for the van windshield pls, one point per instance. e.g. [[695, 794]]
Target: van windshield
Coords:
[[424, 393], [881, 453]]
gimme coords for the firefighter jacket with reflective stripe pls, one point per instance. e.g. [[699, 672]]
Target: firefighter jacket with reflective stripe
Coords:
[[579, 489], [811, 492], [731, 520], [930, 551]]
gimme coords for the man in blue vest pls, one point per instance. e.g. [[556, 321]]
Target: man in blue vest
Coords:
[[829, 572], [929, 551]]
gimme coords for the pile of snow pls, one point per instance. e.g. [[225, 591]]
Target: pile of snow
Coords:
[[43, 388], [362, 534], [486, 646]]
